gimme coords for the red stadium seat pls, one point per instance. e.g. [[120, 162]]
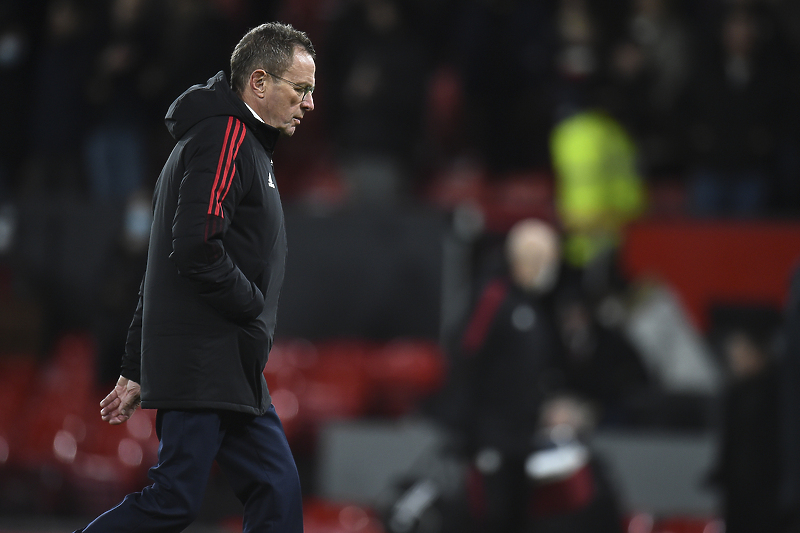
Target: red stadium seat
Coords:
[[311, 384], [682, 524], [335, 385], [519, 196], [17, 374], [463, 183], [403, 372]]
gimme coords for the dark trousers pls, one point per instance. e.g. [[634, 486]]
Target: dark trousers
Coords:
[[251, 451], [504, 498]]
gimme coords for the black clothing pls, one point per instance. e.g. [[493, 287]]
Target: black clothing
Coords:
[[789, 370], [749, 469], [599, 362], [509, 350], [204, 325], [504, 371]]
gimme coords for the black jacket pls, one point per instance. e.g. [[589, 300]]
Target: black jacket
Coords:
[[508, 350], [206, 315]]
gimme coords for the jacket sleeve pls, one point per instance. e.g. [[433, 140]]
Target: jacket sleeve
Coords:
[[209, 192], [132, 357], [483, 316]]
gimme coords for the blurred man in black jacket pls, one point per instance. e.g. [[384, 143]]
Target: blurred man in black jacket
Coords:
[[505, 359]]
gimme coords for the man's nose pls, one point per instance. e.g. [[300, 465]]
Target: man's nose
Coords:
[[308, 102]]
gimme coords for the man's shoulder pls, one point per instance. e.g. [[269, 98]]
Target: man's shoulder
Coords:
[[227, 133], [225, 125]]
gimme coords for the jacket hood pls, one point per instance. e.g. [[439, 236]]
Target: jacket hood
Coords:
[[215, 98]]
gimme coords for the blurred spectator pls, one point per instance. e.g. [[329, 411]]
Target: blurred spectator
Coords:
[[736, 103], [58, 118], [444, 135], [787, 17], [195, 39], [652, 367], [600, 363], [685, 375], [570, 488], [16, 46], [648, 80], [748, 469], [784, 25], [790, 408], [598, 187], [502, 52], [115, 147], [578, 57], [377, 74], [503, 371]]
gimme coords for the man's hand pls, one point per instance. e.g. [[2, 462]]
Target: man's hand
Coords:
[[121, 402]]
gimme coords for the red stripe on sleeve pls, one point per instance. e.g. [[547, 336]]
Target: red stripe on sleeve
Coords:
[[481, 320], [219, 166], [233, 169], [227, 174]]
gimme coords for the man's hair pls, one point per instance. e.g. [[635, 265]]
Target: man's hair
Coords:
[[270, 47]]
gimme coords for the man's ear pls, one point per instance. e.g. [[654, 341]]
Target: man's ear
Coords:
[[258, 82]]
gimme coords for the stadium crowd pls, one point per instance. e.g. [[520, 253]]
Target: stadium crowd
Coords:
[[408, 89]]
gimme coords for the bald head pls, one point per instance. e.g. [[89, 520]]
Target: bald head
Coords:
[[534, 254]]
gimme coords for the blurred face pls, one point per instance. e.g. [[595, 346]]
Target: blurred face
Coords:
[[63, 19], [281, 104], [533, 256], [745, 358], [739, 34]]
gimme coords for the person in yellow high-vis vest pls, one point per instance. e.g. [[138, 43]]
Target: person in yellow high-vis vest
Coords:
[[598, 189]]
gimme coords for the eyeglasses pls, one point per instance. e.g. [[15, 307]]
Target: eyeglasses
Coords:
[[302, 90]]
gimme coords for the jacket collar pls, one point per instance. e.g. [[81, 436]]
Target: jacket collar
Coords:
[[266, 134]]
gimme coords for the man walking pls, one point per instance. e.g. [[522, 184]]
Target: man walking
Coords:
[[204, 324]]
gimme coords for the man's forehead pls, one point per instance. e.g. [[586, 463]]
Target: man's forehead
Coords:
[[303, 68], [302, 59]]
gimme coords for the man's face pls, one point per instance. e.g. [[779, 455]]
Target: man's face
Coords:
[[283, 105], [534, 258]]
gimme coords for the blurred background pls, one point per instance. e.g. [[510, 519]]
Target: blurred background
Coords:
[[659, 139]]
